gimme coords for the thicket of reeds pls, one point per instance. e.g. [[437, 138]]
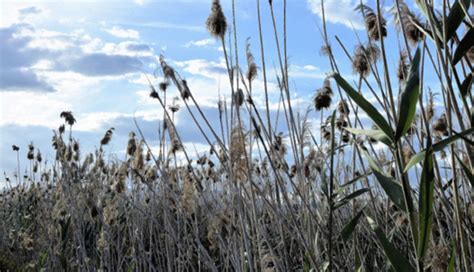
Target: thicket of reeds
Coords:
[[392, 194]]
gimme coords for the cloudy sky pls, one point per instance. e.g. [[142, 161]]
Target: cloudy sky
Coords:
[[91, 58]]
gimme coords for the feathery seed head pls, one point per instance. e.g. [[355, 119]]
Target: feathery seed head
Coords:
[[216, 22], [371, 22]]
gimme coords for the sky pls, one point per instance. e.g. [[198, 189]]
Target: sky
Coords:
[[92, 58]]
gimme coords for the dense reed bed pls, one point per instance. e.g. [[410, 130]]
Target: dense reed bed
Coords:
[[391, 193]]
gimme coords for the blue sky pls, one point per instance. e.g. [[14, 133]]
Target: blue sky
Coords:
[[90, 57]]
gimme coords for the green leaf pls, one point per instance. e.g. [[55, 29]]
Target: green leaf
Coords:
[[436, 147], [466, 84], [452, 260], [396, 258], [464, 45], [366, 106], [349, 197], [376, 134], [425, 205], [392, 188], [409, 98], [466, 169], [350, 226], [455, 17], [414, 160]]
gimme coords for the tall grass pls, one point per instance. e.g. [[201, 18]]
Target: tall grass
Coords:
[[311, 198]]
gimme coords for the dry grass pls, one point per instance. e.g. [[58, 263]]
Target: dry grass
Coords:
[[266, 201]]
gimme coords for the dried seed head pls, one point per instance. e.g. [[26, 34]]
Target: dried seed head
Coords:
[[341, 123], [407, 153], [345, 137], [202, 160], [138, 162], [175, 146], [441, 126], [238, 152], [168, 72], [407, 21], [107, 137], [293, 170], [326, 134], [365, 56], [164, 85], [39, 157], [327, 86], [216, 23], [68, 154], [251, 66], [77, 154], [185, 92], [322, 100], [279, 145], [61, 129], [132, 144], [75, 146], [323, 97], [343, 108], [68, 117], [15, 148], [239, 97], [148, 155], [371, 22], [154, 93], [151, 173], [402, 71], [31, 153]]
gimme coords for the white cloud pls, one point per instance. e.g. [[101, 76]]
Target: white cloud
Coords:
[[202, 67], [306, 71], [123, 33], [132, 49], [339, 12], [30, 108], [141, 2], [50, 44], [168, 25], [201, 43], [310, 67]]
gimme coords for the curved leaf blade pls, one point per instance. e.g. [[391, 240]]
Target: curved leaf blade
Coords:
[[392, 188], [466, 84], [425, 204], [464, 45], [409, 98], [437, 147], [376, 134], [455, 17], [365, 105], [351, 225], [349, 197], [396, 258]]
